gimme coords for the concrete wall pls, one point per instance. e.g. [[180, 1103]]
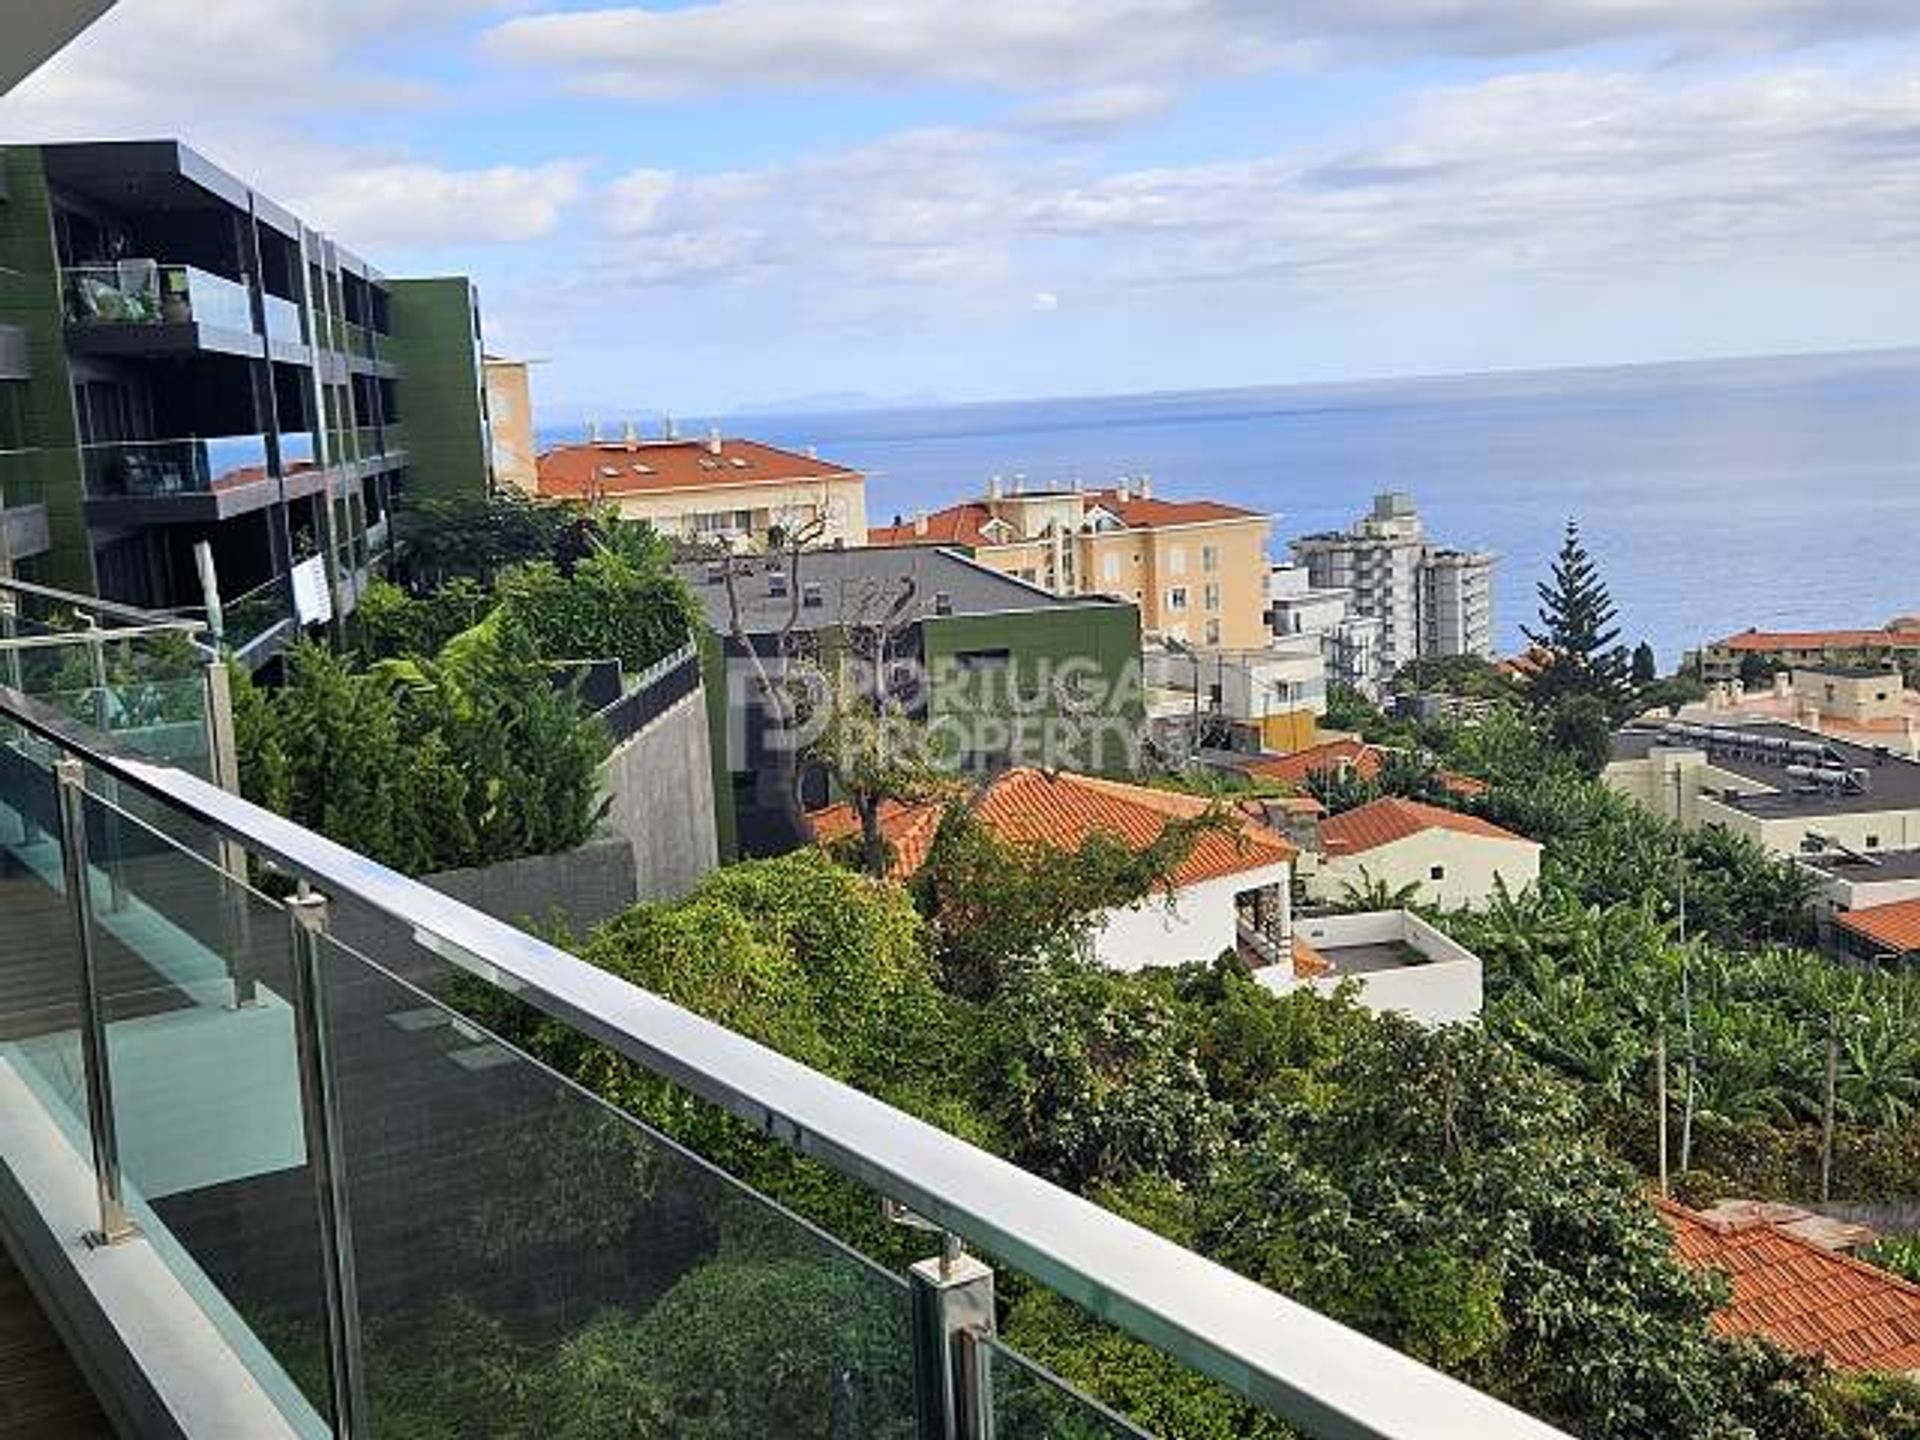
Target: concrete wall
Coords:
[[1199, 925], [661, 787], [1448, 989], [1469, 866], [577, 888]]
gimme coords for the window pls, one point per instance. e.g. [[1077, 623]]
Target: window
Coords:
[[1177, 560], [1177, 598], [1213, 632], [1110, 567], [1212, 596], [1438, 872], [1873, 842], [1209, 557]]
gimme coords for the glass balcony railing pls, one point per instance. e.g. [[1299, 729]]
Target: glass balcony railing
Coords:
[[354, 339], [284, 321], [148, 292], [400, 1224], [248, 619], [20, 478], [145, 469]]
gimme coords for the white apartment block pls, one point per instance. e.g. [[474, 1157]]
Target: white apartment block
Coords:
[[1349, 644], [1430, 600]]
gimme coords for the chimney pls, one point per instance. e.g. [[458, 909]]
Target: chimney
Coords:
[[713, 440], [1123, 489], [593, 431], [668, 428], [996, 488], [919, 522], [630, 435], [1146, 487]]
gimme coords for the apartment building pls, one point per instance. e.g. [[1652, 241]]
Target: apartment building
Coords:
[[1001, 673], [1431, 600], [1755, 654], [1350, 644], [516, 452], [182, 362], [1196, 568], [740, 493]]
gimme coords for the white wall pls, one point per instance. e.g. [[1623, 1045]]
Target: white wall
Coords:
[[1198, 926], [1471, 864], [1447, 989]]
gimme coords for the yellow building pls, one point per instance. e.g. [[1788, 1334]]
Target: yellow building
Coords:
[[510, 419], [734, 492], [1196, 568]]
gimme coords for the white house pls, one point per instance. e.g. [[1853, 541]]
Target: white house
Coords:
[[1399, 962], [1440, 858], [1231, 892]]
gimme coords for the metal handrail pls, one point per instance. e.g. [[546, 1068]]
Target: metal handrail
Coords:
[[155, 619], [1289, 1359]]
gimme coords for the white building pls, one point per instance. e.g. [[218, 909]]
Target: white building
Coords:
[[1431, 600], [1246, 699], [1349, 643], [1441, 858], [1399, 962], [1232, 892]]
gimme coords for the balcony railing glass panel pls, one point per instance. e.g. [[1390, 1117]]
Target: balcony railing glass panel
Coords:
[[247, 618], [490, 1197], [20, 482], [203, 1056], [1027, 1400], [41, 989], [144, 469], [149, 292], [284, 321]]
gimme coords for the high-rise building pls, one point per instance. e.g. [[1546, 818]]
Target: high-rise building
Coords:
[[1431, 600], [183, 361]]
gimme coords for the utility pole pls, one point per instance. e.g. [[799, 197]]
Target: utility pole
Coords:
[[1660, 1101], [1827, 1107]]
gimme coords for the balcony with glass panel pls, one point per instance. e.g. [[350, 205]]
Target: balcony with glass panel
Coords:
[[23, 509], [286, 324], [136, 305], [324, 1197]]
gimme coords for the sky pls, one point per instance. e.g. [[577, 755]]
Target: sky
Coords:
[[690, 207]]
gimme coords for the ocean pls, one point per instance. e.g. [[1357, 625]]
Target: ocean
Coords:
[[1715, 495]]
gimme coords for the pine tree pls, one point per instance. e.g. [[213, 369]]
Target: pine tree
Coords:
[[1646, 669], [1577, 631]]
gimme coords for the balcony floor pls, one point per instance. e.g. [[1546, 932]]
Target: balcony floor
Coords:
[[42, 1394]]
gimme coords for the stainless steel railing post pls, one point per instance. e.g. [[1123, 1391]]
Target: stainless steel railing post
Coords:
[[71, 780], [320, 1115], [952, 1315]]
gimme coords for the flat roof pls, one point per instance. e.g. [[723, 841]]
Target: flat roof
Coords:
[[1893, 783], [856, 580], [1880, 865]]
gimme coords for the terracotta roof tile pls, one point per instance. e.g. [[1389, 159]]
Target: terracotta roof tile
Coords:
[[1366, 761], [1895, 926], [1800, 1296], [1766, 641], [966, 524], [1384, 821], [1063, 810], [617, 467]]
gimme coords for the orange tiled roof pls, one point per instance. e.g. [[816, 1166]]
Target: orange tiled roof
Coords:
[[1365, 759], [965, 524], [1026, 805], [1767, 641], [644, 467], [1800, 1296], [1384, 821], [1295, 768], [1895, 926]]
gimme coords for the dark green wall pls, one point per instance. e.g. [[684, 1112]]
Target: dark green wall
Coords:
[[1095, 647], [440, 386], [30, 298]]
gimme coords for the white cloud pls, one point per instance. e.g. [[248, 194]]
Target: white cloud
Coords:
[[1089, 45], [1089, 113], [407, 203], [1044, 301], [1557, 174]]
